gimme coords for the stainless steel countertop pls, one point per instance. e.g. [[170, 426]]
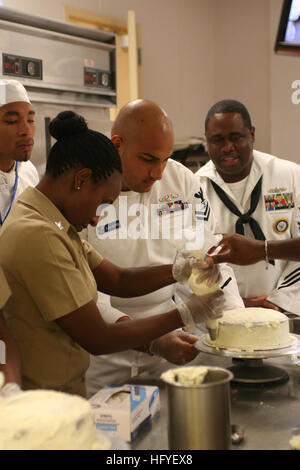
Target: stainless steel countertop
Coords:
[[268, 413]]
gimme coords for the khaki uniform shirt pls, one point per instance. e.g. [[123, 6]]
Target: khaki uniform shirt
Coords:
[[4, 289], [49, 270]]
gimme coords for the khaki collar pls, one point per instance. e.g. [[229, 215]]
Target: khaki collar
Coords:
[[34, 198]]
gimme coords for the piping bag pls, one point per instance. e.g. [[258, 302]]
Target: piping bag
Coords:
[[212, 328], [196, 243], [203, 287]]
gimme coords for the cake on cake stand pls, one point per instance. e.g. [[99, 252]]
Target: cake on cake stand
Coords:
[[249, 367]]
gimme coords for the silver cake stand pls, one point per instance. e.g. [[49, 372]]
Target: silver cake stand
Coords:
[[248, 366]]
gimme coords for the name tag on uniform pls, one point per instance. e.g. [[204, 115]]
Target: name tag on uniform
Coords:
[[279, 201], [102, 229]]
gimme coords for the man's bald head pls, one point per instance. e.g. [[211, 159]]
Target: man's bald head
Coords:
[[141, 117], [143, 135]]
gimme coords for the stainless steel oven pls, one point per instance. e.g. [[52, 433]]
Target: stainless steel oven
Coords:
[[62, 66]]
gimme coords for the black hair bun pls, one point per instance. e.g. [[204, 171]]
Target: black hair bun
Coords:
[[66, 124]]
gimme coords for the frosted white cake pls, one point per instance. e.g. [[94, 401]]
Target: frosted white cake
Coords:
[[185, 375], [48, 420], [252, 329]]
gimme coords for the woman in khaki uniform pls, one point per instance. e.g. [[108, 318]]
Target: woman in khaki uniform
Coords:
[[54, 276], [9, 357]]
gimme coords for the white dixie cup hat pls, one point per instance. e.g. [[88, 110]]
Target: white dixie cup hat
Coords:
[[12, 91]]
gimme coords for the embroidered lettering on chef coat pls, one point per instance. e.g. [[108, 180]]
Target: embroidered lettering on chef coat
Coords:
[[169, 197], [171, 207], [102, 229], [278, 201], [281, 225], [277, 190]]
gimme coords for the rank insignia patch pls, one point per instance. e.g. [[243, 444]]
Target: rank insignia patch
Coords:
[[278, 201], [202, 211], [281, 225]]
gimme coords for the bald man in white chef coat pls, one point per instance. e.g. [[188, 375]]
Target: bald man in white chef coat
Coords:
[[143, 135], [17, 128]]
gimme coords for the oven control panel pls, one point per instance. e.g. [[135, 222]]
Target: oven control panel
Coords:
[[97, 78], [19, 66]]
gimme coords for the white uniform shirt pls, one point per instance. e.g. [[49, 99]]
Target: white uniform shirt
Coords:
[[27, 176], [171, 196], [278, 213]]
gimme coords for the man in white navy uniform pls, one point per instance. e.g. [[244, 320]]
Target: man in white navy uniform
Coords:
[[253, 194], [143, 135], [16, 141]]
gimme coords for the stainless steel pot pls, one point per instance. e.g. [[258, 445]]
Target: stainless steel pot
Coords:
[[199, 415]]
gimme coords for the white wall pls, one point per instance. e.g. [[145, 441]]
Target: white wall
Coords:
[[177, 54], [53, 9], [242, 63], [285, 116], [247, 68]]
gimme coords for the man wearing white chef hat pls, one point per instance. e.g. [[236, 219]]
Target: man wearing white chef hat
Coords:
[[143, 135], [16, 173], [17, 130]]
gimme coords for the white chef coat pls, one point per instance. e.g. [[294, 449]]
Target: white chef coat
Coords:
[[277, 212], [27, 176], [177, 193]]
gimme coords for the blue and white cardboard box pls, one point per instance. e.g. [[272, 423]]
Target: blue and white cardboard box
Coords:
[[123, 410]]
